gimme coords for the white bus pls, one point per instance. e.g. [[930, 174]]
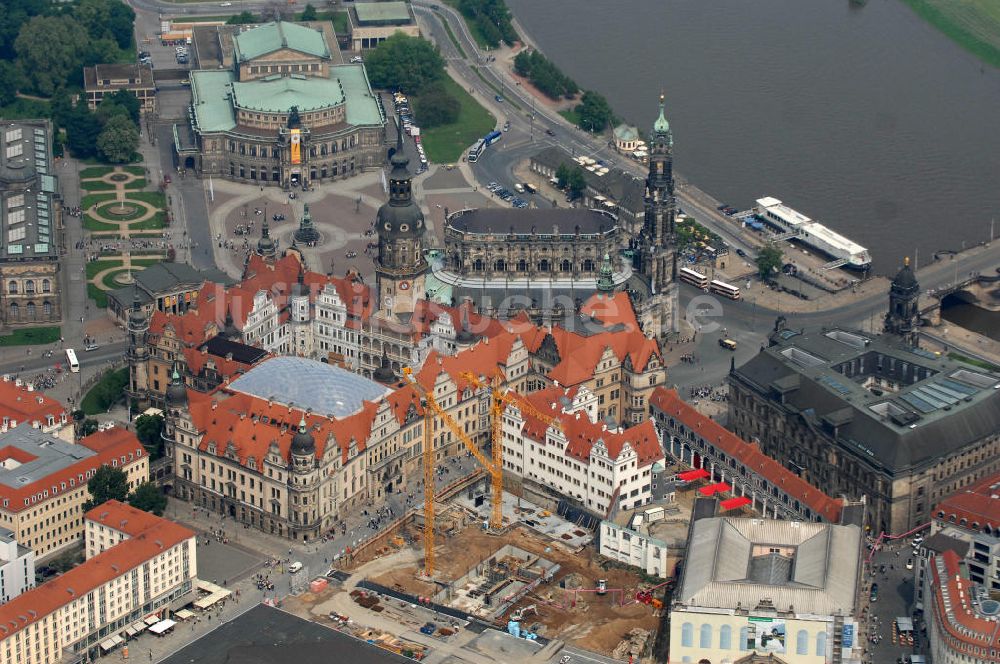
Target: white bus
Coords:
[[724, 289], [476, 150], [74, 364], [694, 278]]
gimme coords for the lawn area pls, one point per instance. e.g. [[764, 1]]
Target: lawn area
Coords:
[[99, 297], [97, 185], [473, 28], [31, 336], [136, 185], [21, 109], [958, 357], [96, 267], [341, 22], [135, 170], [154, 198], [90, 200], [447, 143], [571, 115], [972, 24], [92, 224], [95, 171], [107, 391]]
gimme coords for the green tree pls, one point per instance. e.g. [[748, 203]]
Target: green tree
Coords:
[[562, 175], [49, 50], [576, 182], [88, 427], [769, 261], [106, 19], [148, 429], [82, 129], [308, 14], [120, 101], [10, 81], [107, 484], [492, 18], [404, 63], [119, 140], [13, 15], [242, 18], [149, 498], [594, 112], [435, 107]]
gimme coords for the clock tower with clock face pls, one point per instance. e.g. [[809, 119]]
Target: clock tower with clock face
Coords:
[[400, 265]]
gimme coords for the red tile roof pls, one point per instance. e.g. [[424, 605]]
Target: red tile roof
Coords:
[[668, 402], [579, 355], [123, 517], [955, 613], [581, 433], [484, 359], [611, 310], [251, 424], [19, 404], [973, 507], [214, 302], [111, 445], [35, 604]]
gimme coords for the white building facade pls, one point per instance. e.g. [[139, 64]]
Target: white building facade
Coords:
[[17, 567], [554, 439], [635, 548]]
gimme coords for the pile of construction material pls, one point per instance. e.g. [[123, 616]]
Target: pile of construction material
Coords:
[[633, 645]]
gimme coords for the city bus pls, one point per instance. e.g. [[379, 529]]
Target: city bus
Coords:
[[476, 150], [74, 364], [724, 289], [694, 278]]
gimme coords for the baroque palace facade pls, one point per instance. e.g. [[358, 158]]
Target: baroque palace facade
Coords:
[[278, 106]]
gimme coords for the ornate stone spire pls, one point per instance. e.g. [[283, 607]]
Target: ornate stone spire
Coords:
[[661, 126], [306, 233], [605, 283]]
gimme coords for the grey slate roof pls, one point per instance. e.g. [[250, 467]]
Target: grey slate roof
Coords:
[[51, 455], [820, 576], [525, 221], [952, 406]]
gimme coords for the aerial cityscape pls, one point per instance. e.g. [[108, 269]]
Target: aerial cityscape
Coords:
[[478, 331]]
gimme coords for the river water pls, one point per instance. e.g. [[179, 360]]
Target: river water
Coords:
[[864, 118]]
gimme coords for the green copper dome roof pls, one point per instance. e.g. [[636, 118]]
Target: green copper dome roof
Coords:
[[661, 126]]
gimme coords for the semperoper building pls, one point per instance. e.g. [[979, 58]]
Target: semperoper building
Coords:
[[277, 106]]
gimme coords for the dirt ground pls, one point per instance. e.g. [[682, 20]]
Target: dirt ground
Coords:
[[591, 621]]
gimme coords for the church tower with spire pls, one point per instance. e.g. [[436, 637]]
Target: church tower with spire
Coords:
[[400, 264], [655, 248], [902, 319], [137, 355], [658, 236]]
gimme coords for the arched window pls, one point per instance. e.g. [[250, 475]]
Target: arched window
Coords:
[[726, 637], [12, 287], [46, 286], [705, 636], [802, 642], [744, 635], [821, 644], [687, 635], [29, 287], [31, 310], [566, 266], [543, 265], [47, 308], [588, 265], [15, 311], [522, 265], [477, 265], [500, 265]]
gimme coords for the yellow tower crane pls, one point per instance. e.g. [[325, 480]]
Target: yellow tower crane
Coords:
[[431, 410]]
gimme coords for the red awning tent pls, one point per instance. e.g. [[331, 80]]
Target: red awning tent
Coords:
[[733, 503], [711, 489], [691, 475]]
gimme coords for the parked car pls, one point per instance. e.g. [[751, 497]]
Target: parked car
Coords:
[[498, 99], [909, 563], [294, 567], [356, 59], [550, 132], [873, 595]]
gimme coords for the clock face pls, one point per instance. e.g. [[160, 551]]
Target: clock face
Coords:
[[404, 285]]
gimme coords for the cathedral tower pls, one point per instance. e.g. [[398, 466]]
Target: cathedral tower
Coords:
[[137, 355], [903, 317], [400, 265], [657, 239]]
